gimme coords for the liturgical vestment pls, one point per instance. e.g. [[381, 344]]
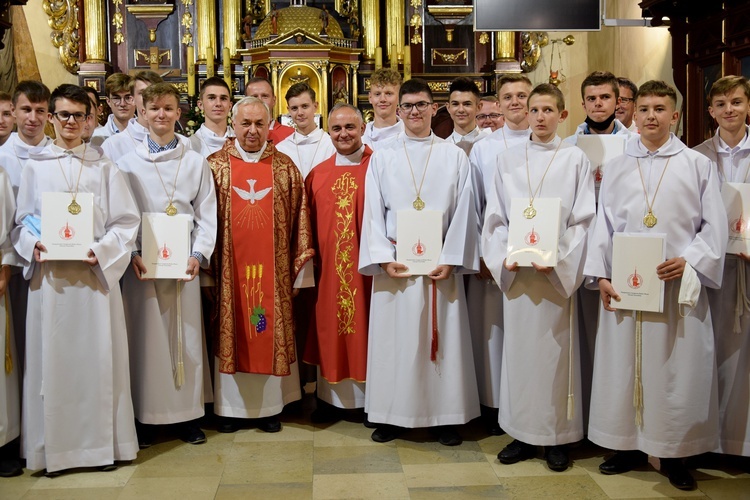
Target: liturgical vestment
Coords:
[[261, 199]]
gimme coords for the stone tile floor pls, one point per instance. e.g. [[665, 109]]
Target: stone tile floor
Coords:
[[339, 460]]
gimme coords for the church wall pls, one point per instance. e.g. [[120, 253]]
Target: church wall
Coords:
[[640, 54], [47, 56]]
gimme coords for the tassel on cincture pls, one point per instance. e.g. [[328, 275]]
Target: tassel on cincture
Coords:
[[637, 384], [179, 376], [571, 359], [571, 407]]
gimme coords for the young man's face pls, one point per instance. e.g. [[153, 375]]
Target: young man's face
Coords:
[[730, 110], [251, 126], [161, 114], [215, 103], [625, 106], [70, 120], [544, 117], [417, 121], [6, 119], [262, 91], [513, 97], [346, 130], [30, 117], [462, 106], [489, 115], [302, 110], [384, 100], [655, 115], [122, 105], [599, 102]]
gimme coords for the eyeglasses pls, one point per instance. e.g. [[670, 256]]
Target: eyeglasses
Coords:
[[625, 99], [64, 116], [116, 100], [493, 116], [408, 106]]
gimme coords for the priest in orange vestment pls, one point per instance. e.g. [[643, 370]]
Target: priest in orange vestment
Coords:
[[337, 338], [263, 246]]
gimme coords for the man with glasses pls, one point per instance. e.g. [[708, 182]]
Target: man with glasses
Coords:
[[118, 88], [626, 103], [119, 145], [420, 368], [490, 116], [76, 404]]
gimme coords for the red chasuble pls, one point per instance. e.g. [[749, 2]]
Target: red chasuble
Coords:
[[279, 132], [337, 340], [253, 263]]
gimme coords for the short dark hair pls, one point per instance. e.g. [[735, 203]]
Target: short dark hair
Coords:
[[628, 84], [214, 81], [463, 84], [72, 93], [259, 79], [158, 90], [298, 89], [5, 97], [549, 90], [657, 88], [414, 86], [91, 91], [34, 91], [600, 78]]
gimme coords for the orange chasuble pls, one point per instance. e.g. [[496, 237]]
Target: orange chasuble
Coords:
[[337, 339], [264, 241]]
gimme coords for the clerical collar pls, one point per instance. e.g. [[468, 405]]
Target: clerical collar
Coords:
[[724, 147], [154, 147], [456, 137], [352, 159], [299, 138], [250, 157]]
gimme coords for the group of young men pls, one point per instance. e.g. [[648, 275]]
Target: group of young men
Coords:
[[275, 209]]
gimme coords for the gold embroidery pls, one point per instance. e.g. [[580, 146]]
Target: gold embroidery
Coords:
[[253, 289], [345, 188]]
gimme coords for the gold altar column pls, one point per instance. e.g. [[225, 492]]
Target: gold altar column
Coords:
[[206, 21], [505, 45], [96, 46], [231, 24], [323, 110], [394, 35], [370, 27]]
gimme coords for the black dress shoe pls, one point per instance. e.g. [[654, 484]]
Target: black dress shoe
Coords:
[[269, 424], [516, 452], [557, 458], [449, 436], [325, 413], [368, 424], [191, 433], [678, 475], [228, 425], [146, 434], [10, 467], [385, 433], [623, 461], [107, 468], [52, 474]]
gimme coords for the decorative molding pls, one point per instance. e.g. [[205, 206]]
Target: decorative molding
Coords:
[[450, 57], [187, 23], [531, 44], [63, 19], [117, 22]]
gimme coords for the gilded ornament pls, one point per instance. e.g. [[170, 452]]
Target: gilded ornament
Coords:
[[63, 19], [117, 22], [345, 188], [484, 38]]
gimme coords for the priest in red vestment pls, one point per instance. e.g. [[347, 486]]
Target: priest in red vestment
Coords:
[[337, 338], [264, 242]]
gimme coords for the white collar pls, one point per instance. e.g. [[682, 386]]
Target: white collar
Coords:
[[352, 159], [248, 156]]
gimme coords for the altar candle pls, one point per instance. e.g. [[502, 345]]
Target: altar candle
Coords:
[[191, 70], [209, 62]]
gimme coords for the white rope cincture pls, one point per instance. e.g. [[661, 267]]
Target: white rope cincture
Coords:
[[571, 396], [637, 384], [179, 376]]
